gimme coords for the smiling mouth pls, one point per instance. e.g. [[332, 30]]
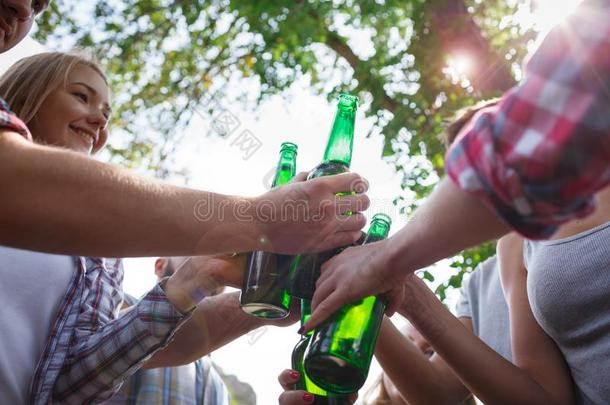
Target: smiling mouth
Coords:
[[85, 135]]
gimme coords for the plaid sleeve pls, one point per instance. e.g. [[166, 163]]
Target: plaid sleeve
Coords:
[[9, 121], [107, 349], [540, 156]]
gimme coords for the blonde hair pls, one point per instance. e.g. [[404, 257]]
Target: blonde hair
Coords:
[[27, 83]]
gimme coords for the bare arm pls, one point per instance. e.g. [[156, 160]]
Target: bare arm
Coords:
[[431, 234], [489, 376], [58, 201], [382, 267], [533, 350], [419, 379], [77, 205]]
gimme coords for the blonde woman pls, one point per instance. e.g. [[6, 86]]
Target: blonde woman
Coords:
[[62, 339]]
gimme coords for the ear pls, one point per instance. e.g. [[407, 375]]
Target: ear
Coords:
[[160, 264]]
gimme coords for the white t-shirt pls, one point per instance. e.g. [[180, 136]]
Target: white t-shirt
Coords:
[[31, 289], [482, 300]]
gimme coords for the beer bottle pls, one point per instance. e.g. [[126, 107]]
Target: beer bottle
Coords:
[[321, 396], [264, 291], [305, 268], [340, 351]]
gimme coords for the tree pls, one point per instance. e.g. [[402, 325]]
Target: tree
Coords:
[[168, 58]]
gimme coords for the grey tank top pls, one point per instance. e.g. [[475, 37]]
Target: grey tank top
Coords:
[[568, 286], [482, 300]]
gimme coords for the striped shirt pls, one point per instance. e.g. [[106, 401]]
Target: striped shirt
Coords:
[[91, 350], [197, 383]]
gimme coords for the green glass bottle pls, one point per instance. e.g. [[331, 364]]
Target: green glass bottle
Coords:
[[322, 397], [264, 292], [339, 354], [305, 268]]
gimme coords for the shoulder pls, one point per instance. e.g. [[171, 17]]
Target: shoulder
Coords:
[[10, 122], [482, 272]]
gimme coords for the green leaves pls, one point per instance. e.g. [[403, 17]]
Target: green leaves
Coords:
[[165, 58]]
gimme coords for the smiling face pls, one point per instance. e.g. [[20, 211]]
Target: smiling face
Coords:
[[75, 115], [16, 19]]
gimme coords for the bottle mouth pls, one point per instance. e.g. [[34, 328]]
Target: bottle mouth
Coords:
[[382, 218], [348, 102], [289, 146]]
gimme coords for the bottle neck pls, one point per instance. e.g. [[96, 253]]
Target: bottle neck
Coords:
[[341, 138], [286, 168], [378, 230]]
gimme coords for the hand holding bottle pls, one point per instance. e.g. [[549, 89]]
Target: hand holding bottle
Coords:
[[224, 270], [310, 217], [355, 273], [290, 396], [200, 276]]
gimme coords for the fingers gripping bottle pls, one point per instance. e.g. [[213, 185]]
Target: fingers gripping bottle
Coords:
[[322, 397], [305, 268], [340, 351]]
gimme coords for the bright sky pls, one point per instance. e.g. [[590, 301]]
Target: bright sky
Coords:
[[218, 164]]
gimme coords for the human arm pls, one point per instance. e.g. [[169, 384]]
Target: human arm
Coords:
[[535, 161], [217, 321], [100, 362], [418, 378], [542, 154], [107, 346], [533, 350], [103, 349], [58, 201], [494, 380], [381, 267]]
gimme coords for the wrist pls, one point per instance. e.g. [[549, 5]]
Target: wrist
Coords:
[[179, 296], [412, 300], [395, 259], [261, 211], [249, 225]]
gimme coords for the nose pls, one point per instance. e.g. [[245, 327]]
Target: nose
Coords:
[[97, 118], [19, 9], [98, 122]]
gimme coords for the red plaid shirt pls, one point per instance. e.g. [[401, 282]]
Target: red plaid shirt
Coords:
[[10, 122], [538, 158]]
